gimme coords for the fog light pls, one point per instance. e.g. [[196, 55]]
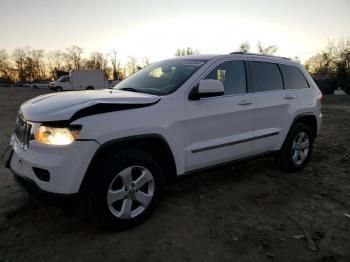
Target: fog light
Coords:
[[42, 174]]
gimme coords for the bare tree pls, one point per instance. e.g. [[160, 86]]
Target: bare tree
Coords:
[[34, 65], [266, 50], [113, 56], [331, 66], [186, 51], [55, 62], [145, 61], [38, 56], [244, 47], [4, 63], [96, 61], [73, 57], [132, 65], [19, 56]]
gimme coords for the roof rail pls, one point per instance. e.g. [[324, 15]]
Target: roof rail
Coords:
[[255, 54]]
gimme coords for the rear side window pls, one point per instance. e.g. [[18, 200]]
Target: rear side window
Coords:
[[232, 75], [266, 77], [293, 78]]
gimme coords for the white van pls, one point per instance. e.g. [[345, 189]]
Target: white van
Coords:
[[80, 80]]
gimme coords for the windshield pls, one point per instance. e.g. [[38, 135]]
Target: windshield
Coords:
[[62, 79], [161, 78]]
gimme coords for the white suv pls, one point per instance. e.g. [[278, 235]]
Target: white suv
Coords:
[[118, 147]]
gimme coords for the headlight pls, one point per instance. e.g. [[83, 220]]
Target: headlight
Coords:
[[56, 135]]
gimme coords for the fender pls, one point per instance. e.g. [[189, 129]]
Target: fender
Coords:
[[298, 117], [127, 140]]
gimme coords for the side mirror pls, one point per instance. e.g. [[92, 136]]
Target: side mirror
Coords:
[[207, 88]]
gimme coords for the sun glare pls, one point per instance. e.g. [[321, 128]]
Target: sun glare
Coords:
[[160, 39]]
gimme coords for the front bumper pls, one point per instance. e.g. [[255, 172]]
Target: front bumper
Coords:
[[44, 196], [66, 165]]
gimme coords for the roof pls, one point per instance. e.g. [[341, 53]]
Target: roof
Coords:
[[210, 56], [196, 57], [262, 57]]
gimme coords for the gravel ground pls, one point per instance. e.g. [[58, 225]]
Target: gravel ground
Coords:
[[249, 212]]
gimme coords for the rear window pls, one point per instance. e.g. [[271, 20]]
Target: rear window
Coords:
[[266, 77], [293, 78]]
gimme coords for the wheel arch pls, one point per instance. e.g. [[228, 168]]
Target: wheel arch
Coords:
[[154, 144], [308, 119]]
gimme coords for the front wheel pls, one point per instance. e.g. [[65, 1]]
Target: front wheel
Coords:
[[59, 89], [296, 151], [126, 189]]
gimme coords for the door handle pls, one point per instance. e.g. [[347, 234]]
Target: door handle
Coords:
[[289, 97], [245, 102]]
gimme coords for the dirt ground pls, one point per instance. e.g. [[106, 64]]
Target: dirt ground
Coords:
[[243, 213]]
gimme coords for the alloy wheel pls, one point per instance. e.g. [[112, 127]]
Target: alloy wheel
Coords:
[[300, 148], [130, 192]]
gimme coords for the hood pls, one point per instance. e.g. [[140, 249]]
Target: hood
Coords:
[[75, 104]]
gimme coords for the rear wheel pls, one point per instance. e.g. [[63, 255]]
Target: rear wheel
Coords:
[[296, 151], [126, 189], [90, 88], [35, 87]]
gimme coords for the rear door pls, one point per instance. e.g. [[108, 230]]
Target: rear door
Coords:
[[220, 128], [275, 106]]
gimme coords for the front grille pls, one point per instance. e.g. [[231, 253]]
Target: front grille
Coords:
[[22, 132]]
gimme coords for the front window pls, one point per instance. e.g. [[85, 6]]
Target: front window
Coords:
[[232, 75], [63, 79], [161, 78]]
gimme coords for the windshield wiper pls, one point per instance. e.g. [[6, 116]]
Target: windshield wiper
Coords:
[[131, 89]]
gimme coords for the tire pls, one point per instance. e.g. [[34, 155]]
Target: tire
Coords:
[[90, 88], [59, 89], [119, 173], [297, 148], [35, 87]]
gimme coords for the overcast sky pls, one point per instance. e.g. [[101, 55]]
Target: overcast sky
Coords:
[[156, 28]]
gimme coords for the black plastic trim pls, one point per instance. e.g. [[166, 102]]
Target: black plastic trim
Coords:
[[283, 81], [233, 143], [228, 163]]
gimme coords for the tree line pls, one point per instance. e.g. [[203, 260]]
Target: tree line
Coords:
[[26, 65], [30, 65], [330, 66]]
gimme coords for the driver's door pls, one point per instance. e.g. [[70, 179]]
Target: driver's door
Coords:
[[221, 128]]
